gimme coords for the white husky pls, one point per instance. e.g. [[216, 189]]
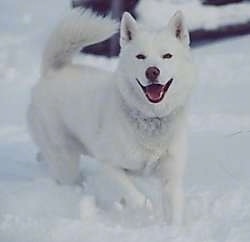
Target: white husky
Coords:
[[132, 120]]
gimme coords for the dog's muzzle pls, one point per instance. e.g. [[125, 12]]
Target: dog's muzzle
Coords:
[[155, 92]]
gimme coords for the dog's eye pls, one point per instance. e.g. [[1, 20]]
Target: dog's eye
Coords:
[[141, 57], [167, 56]]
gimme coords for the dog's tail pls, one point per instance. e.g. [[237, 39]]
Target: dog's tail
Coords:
[[79, 29]]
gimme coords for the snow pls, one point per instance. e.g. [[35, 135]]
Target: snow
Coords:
[[35, 208], [197, 15]]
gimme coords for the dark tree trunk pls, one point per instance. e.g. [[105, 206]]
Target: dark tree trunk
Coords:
[[202, 36], [220, 2]]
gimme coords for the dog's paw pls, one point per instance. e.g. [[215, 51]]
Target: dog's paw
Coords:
[[144, 202], [148, 204], [137, 202]]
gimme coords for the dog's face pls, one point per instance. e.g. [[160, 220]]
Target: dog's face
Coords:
[[156, 66]]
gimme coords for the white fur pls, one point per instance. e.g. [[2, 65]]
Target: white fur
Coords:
[[77, 30], [81, 110]]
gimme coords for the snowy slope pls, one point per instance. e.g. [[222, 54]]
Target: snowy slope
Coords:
[[157, 12], [34, 208]]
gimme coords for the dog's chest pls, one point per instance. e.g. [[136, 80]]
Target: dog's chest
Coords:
[[136, 156], [141, 144], [131, 141], [151, 133]]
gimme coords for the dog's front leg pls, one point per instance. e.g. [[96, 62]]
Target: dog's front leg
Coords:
[[132, 197], [172, 170]]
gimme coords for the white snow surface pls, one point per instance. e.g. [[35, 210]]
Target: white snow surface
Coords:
[[33, 208], [157, 12]]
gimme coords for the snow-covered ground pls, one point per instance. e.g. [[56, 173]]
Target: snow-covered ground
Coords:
[[217, 187], [157, 12]]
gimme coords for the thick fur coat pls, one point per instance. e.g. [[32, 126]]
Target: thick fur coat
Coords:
[[133, 120]]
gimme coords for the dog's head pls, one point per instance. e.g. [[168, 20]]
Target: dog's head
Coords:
[[156, 68]]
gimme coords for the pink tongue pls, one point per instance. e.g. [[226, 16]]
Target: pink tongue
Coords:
[[154, 92]]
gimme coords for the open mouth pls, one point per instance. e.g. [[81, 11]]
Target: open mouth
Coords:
[[155, 92]]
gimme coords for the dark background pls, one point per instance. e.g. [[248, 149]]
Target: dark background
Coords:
[[111, 47]]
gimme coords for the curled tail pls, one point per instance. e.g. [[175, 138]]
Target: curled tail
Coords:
[[79, 29]]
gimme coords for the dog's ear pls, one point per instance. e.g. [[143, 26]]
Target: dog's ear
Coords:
[[127, 29], [178, 28]]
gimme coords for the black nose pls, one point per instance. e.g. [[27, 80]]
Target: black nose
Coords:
[[152, 73]]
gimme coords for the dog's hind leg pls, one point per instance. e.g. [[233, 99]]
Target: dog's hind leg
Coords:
[[63, 156], [63, 164], [57, 148]]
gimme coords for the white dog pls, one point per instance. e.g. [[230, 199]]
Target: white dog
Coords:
[[132, 120]]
